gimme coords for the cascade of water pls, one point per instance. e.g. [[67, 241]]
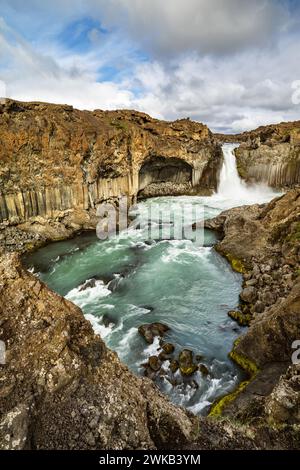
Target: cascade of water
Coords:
[[232, 187], [230, 183]]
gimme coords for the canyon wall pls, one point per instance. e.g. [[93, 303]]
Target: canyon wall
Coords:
[[269, 154], [55, 159], [263, 243]]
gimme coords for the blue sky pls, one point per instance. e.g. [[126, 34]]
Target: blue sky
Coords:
[[230, 64]]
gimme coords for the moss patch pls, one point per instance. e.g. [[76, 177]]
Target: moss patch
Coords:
[[218, 407], [247, 365], [243, 319], [236, 264]]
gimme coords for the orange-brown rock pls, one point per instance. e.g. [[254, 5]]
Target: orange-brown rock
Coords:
[[55, 159]]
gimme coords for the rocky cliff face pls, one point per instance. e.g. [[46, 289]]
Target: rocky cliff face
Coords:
[[61, 388], [263, 242], [57, 161], [269, 154]]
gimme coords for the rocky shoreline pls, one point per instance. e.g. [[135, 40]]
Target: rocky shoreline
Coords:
[[60, 376], [263, 243]]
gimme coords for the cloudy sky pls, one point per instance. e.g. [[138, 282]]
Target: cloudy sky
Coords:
[[228, 63]]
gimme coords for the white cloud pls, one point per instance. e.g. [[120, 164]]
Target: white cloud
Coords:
[[248, 90], [30, 75], [229, 64], [206, 26]]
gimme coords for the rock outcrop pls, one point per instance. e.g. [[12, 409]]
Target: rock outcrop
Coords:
[[269, 154], [59, 163], [263, 243], [61, 388]]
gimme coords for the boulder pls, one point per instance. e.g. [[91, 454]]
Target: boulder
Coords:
[[249, 295], [186, 364], [150, 330], [154, 363], [168, 348]]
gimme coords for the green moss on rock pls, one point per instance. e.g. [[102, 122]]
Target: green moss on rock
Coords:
[[244, 362], [241, 318], [236, 264], [247, 365], [218, 407]]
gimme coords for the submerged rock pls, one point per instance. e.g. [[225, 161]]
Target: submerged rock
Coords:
[[90, 283], [150, 330], [174, 366], [108, 320], [204, 370], [186, 364], [198, 357], [168, 348]]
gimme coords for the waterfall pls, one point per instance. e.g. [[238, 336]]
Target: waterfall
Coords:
[[232, 187], [230, 184]]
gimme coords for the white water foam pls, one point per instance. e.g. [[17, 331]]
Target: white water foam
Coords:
[[180, 252], [98, 328], [124, 345], [89, 295]]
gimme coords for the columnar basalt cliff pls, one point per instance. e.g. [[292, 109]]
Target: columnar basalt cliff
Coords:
[[269, 154], [59, 163]]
